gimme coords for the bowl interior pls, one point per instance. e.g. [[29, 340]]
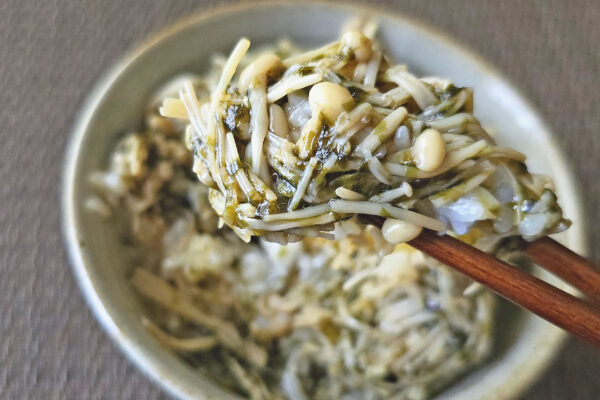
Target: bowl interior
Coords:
[[525, 343]]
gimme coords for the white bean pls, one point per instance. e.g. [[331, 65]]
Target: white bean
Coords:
[[359, 43], [330, 99], [396, 231], [429, 150], [261, 66]]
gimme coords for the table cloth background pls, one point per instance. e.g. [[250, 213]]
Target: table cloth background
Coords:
[[53, 51]]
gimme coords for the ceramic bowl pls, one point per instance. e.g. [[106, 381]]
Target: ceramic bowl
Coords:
[[525, 344]]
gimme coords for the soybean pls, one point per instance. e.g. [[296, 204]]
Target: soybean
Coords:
[[429, 150], [396, 231], [330, 99]]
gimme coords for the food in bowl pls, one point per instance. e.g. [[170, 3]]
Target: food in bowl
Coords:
[[356, 317], [311, 139]]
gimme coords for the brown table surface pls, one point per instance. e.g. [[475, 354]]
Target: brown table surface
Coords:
[[53, 51]]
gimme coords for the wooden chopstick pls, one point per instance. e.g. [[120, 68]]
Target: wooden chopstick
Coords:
[[566, 264], [554, 305]]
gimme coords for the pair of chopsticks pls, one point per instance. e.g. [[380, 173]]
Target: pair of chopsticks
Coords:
[[580, 317]]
